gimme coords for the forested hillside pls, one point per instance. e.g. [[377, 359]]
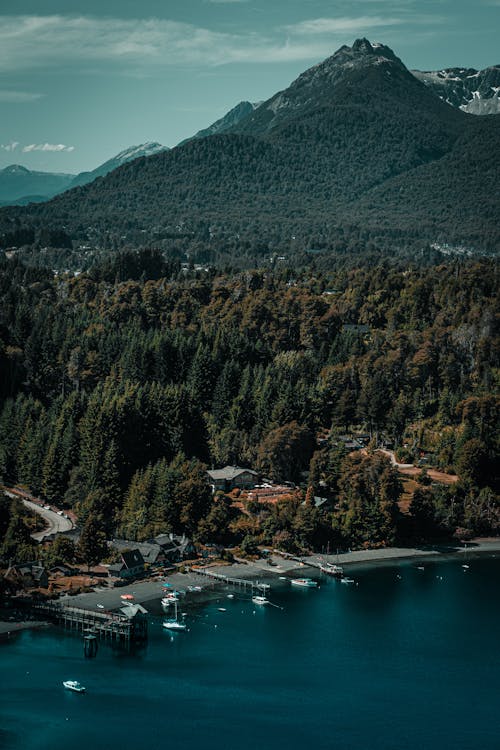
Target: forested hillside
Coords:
[[355, 144], [117, 393]]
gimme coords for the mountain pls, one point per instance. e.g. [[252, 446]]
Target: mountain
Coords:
[[17, 181], [473, 91], [228, 121], [357, 150], [20, 186], [129, 154]]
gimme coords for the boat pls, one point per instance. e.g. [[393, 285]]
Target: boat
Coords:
[[305, 582], [345, 579], [221, 609], [258, 599], [175, 623], [230, 596], [465, 565], [171, 598], [73, 685]]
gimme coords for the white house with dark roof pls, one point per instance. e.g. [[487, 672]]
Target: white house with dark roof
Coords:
[[230, 477]]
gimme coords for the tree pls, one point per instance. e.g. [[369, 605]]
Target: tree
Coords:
[[92, 546]]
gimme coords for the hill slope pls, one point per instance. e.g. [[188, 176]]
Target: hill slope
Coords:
[[356, 140]]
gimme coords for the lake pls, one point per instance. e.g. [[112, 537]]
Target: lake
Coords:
[[402, 660]]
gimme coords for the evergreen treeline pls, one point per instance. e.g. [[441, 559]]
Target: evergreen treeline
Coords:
[[117, 392]]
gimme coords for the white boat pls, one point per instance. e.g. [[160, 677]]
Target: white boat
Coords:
[[258, 599], [170, 598], [305, 582], [73, 685], [175, 623], [344, 579]]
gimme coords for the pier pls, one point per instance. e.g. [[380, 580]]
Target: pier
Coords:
[[111, 626], [240, 583]]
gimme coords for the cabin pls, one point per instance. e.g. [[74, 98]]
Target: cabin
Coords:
[[28, 575], [232, 477], [175, 547], [131, 565], [153, 555]]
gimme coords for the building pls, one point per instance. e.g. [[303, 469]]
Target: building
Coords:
[[152, 553], [231, 477], [131, 565], [175, 548], [28, 575], [137, 616]]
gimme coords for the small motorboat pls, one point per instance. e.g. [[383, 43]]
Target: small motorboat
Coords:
[[344, 579], [258, 599], [73, 685], [230, 596], [307, 583], [221, 609]]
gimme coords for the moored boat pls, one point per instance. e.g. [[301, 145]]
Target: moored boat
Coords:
[[345, 579], [175, 623], [258, 599], [305, 582]]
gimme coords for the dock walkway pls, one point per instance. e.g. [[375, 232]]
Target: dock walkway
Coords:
[[241, 583], [107, 625]]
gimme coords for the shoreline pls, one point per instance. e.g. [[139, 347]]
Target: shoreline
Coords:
[[150, 592]]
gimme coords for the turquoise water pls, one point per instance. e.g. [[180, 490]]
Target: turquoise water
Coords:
[[401, 663]]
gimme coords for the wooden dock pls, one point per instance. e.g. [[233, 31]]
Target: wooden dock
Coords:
[[240, 583], [105, 625]]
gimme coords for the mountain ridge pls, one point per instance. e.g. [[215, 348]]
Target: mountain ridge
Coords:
[[352, 131]]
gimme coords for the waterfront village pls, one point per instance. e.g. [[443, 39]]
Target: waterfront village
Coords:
[[99, 587]]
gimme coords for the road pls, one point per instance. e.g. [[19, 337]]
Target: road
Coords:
[[55, 523]]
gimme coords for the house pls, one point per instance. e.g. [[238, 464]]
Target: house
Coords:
[[175, 547], [231, 477], [28, 575], [131, 565], [151, 552], [321, 503]]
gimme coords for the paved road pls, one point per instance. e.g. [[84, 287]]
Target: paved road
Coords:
[[55, 522]]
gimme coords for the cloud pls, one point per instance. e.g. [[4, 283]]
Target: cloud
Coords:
[[18, 97], [138, 45], [334, 25], [9, 146], [47, 147]]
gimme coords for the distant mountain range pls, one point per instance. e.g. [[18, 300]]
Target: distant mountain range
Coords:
[[129, 154], [473, 91], [19, 185], [357, 141]]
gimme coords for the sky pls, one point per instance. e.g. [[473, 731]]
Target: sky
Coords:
[[80, 81]]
